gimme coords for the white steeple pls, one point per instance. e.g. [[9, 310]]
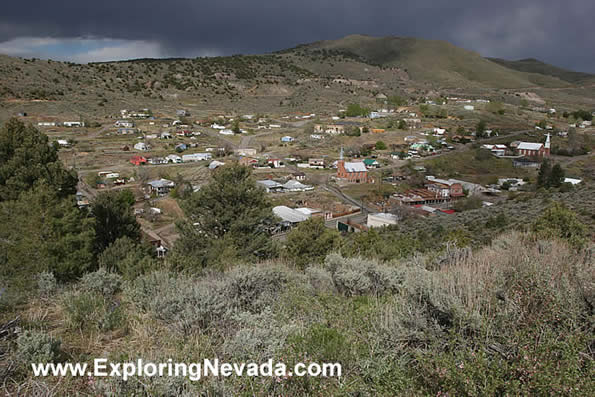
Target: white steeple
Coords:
[[547, 141], [341, 155]]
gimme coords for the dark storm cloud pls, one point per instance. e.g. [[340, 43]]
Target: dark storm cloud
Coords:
[[558, 32]]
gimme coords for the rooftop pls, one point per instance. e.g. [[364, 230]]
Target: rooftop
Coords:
[[529, 146], [355, 167], [161, 183], [289, 214]]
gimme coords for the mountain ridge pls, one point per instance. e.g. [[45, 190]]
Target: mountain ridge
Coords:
[[319, 75]]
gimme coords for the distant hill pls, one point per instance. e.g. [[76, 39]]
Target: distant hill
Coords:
[[531, 65], [433, 61], [323, 75]]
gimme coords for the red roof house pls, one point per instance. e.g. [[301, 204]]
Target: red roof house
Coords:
[[138, 160]]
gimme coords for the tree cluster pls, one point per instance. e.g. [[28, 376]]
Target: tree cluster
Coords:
[[550, 176]]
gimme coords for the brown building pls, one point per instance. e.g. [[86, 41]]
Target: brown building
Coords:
[[445, 188], [532, 149], [352, 172]]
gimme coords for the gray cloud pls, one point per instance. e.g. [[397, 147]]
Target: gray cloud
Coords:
[[561, 33]]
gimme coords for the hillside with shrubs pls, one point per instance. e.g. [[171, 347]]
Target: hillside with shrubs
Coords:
[[479, 305]]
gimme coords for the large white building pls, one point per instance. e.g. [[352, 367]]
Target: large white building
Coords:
[[196, 157], [381, 219]]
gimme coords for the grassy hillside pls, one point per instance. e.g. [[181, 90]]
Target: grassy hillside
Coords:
[[531, 65], [428, 60], [512, 318], [320, 78]]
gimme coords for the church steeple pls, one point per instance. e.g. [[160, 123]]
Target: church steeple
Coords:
[[547, 141]]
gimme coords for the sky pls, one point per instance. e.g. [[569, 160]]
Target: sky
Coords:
[[558, 32]]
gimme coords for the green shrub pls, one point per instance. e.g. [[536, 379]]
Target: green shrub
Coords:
[[195, 307], [92, 311], [252, 288], [38, 347], [143, 289], [320, 279], [357, 276], [102, 282], [560, 222], [321, 343], [182, 303], [258, 336], [46, 283]]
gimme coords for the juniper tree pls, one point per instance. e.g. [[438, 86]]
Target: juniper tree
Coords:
[[27, 158], [543, 178], [226, 220], [113, 219]]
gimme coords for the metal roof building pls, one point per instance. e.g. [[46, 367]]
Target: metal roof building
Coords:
[[289, 214]]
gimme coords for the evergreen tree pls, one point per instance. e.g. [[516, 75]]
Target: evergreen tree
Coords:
[[227, 219], [310, 242], [46, 233], [543, 178], [127, 257], [113, 219], [556, 176], [480, 129], [26, 158], [236, 127], [380, 145]]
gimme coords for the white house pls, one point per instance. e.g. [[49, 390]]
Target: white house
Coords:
[[63, 142], [289, 214], [572, 180], [196, 157], [381, 219], [270, 186], [161, 186], [287, 138], [173, 158], [497, 150], [156, 160], [295, 186], [124, 123], [143, 147], [73, 124], [215, 164]]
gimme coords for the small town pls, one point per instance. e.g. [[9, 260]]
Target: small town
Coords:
[[331, 173]]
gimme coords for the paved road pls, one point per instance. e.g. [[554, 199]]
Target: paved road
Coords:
[[346, 198]]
